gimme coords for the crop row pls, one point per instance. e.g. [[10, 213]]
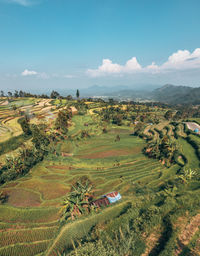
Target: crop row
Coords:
[[132, 171], [25, 249], [26, 235], [80, 228], [30, 215]]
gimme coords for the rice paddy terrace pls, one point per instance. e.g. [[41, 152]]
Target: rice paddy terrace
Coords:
[[10, 112], [30, 219]]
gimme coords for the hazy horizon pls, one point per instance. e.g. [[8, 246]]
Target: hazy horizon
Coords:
[[77, 44]]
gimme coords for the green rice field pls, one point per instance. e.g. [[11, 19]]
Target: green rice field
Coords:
[[30, 219]]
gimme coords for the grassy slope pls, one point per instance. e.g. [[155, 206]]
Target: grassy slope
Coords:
[[110, 165], [189, 152]]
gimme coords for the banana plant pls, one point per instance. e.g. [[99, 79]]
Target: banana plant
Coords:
[[77, 201], [187, 175]]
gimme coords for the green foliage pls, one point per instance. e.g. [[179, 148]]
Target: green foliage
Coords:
[[78, 200], [25, 249], [153, 196], [168, 115], [77, 94], [16, 166], [80, 228], [25, 125], [164, 150], [13, 143], [40, 139], [54, 95], [62, 121]]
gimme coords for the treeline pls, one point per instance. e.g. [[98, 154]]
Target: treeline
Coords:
[[43, 143], [23, 94], [16, 166], [166, 150]]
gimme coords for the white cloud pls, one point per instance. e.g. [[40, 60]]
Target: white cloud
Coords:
[[41, 75], [27, 72], [132, 65], [108, 67], [180, 60], [183, 60], [22, 2]]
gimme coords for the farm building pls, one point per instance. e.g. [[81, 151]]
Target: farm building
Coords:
[[101, 202], [113, 197], [107, 199]]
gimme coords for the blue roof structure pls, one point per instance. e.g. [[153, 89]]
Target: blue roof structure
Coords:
[[113, 197]]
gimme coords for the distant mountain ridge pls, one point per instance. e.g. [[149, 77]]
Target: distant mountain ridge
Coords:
[[174, 94]]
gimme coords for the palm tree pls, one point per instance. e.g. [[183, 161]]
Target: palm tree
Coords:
[[77, 201], [170, 192], [187, 175]]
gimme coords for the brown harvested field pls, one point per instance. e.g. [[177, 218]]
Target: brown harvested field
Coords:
[[22, 198], [118, 130], [11, 184], [94, 149], [52, 177], [111, 153], [49, 190], [58, 167]]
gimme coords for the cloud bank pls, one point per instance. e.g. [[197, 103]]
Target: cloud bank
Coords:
[[22, 2], [180, 60], [43, 75], [27, 72], [36, 74]]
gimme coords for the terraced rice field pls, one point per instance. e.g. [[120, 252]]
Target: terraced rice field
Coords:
[[30, 219], [9, 125], [32, 211]]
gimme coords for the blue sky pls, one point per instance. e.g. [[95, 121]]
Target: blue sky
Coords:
[[79, 43]]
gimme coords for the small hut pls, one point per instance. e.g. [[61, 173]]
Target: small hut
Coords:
[[101, 202], [113, 197], [107, 199]]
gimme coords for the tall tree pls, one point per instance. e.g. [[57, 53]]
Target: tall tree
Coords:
[[21, 93], [9, 94], [168, 115], [16, 94], [25, 125], [62, 120], [2, 93], [54, 95], [77, 94]]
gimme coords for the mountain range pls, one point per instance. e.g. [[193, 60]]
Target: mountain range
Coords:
[[168, 93]]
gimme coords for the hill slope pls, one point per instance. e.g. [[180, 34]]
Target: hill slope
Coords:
[[177, 94]]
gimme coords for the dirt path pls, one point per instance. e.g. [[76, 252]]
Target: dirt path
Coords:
[[44, 102], [151, 242], [5, 103], [187, 232]]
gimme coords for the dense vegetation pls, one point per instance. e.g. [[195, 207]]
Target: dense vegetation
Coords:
[[70, 152]]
